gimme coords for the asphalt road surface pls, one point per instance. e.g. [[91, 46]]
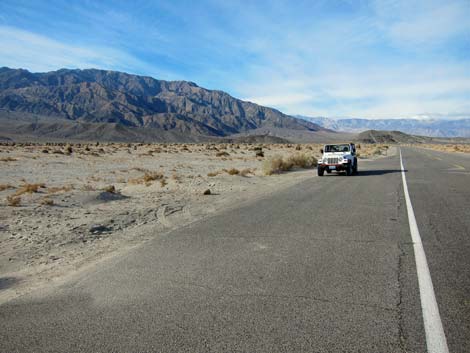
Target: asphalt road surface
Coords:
[[324, 266]]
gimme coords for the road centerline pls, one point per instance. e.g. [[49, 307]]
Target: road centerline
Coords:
[[435, 337]]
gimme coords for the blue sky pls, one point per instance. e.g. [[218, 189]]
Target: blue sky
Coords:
[[373, 59]]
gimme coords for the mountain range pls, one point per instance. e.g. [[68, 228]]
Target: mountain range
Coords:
[[97, 104], [423, 127]]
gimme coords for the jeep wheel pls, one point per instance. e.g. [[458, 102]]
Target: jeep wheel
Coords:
[[320, 171], [349, 169], [355, 168]]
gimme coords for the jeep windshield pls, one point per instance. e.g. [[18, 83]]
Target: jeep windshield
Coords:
[[337, 148]]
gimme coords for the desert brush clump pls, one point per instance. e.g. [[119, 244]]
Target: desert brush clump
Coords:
[[5, 187], [278, 164], [303, 160], [222, 154], [151, 176], [13, 200], [110, 188], [47, 202], [233, 171], [57, 189], [147, 178], [275, 165], [7, 159], [29, 188]]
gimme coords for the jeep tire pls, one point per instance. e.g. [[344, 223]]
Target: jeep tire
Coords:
[[349, 169], [355, 169], [320, 170]]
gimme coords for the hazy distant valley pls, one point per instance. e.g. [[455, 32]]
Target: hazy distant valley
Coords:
[[424, 127]]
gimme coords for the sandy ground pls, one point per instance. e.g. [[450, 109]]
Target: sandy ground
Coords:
[[65, 207], [458, 147]]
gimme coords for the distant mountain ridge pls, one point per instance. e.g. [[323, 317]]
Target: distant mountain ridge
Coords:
[[92, 99], [425, 127]]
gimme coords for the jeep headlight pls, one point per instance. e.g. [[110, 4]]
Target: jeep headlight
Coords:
[[340, 158]]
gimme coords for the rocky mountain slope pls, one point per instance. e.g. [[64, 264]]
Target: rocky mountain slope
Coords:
[[121, 105]]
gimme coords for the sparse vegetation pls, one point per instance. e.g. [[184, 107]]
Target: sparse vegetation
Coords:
[[29, 189], [278, 164], [147, 178], [5, 187], [464, 148], [111, 189], [7, 159], [233, 171], [13, 200], [57, 189], [303, 160], [47, 202]]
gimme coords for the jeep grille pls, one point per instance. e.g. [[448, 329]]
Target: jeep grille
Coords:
[[333, 160]]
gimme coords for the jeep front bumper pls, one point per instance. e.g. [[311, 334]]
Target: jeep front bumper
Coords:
[[336, 166]]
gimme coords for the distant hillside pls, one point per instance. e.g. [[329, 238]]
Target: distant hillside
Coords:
[[87, 104], [426, 127], [376, 136]]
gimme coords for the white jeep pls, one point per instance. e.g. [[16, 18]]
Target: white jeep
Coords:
[[338, 157]]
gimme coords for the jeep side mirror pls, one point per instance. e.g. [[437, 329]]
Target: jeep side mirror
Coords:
[[321, 150]]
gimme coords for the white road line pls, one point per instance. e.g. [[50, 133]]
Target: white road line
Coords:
[[435, 337]]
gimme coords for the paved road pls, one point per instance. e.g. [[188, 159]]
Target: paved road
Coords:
[[324, 266]]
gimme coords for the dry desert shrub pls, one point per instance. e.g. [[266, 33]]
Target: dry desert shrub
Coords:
[[303, 160], [377, 151], [222, 154], [7, 159], [147, 178], [13, 200], [5, 187], [151, 176], [88, 187], [275, 164], [233, 171], [68, 150], [47, 202], [110, 188], [29, 189], [56, 189]]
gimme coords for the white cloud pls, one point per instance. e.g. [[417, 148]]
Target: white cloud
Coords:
[[39, 53], [281, 99], [428, 24]]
